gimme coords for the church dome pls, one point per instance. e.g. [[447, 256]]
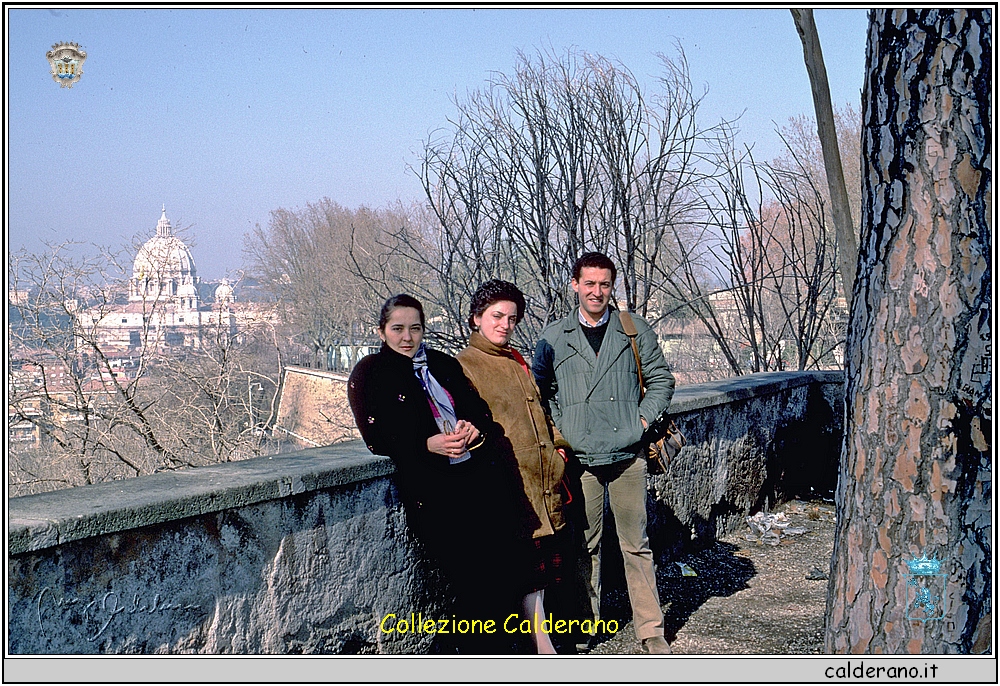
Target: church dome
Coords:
[[163, 267], [164, 256], [224, 293]]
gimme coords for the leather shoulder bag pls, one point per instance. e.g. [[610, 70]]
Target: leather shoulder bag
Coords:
[[667, 439]]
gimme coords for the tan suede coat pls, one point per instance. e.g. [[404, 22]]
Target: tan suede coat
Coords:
[[516, 405]]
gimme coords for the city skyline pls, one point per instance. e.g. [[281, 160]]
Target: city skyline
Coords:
[[225, 115]]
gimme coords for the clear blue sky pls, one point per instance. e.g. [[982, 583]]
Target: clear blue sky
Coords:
[[227, 114]]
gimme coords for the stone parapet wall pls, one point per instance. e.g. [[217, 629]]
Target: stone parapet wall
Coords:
[[753, 441], [55, 517], [307, 552], [296, 553]]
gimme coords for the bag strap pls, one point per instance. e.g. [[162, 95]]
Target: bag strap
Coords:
[[628, 326]]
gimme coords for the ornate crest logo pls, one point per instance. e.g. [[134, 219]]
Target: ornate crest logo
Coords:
[[925, 589], [66, 60]]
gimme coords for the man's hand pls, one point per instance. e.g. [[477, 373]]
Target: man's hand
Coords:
[[645, 424]]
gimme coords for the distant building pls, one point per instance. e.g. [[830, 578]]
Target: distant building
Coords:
[[164, 269], [18, 297], [164, 311], [43, 389]]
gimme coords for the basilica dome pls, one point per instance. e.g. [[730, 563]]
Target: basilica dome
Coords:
[[163, 267], [224, 293]]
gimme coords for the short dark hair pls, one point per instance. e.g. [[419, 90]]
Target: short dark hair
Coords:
[[597, 260], [396, 301], [494, 291]]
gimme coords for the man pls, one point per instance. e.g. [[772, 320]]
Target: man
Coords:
[[585, 369]]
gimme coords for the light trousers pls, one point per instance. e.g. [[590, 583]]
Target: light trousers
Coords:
[[625, 483]]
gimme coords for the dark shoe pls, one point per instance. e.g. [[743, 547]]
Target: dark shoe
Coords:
[[656, 645]]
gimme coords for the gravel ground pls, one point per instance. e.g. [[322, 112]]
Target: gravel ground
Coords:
[[747, 598]]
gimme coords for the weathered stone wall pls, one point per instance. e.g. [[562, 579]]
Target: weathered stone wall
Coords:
[[752, 442], [302, 553], [308, 552]]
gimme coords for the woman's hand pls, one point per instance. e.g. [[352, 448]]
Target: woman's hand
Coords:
[[449, 445], [468, 430], [457, 442]]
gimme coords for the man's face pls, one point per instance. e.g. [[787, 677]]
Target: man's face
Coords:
[[594, 291]]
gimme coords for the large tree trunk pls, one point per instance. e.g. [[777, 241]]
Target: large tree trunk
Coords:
[[915, 474], [840, 206]]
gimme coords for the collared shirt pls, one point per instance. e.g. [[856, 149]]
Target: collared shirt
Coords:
[[603, 320]]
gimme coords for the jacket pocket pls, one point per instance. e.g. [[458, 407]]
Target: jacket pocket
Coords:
[[634, 427]]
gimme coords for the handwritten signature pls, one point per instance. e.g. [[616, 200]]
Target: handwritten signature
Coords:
[[101, 613]]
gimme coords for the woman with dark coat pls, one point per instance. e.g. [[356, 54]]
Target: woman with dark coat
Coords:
[[502, 377], [453, 466]]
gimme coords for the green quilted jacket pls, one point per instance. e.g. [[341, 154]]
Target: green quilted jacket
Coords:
[[594, 400]]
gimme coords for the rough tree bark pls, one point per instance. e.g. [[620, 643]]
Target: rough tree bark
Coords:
[[840, 207], [916, 474]]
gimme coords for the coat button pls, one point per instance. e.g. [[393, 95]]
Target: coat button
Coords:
[[612, 397], [616, 428], [548, 492]]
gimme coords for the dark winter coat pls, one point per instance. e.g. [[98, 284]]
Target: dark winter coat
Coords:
[[466, 515], [395, 419]]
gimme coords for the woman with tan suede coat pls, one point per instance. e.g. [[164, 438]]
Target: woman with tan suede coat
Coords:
[[504, 380]]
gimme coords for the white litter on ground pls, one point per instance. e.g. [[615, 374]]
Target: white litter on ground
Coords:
[[767, 527]]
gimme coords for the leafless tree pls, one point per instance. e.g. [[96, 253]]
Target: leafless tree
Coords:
[[95, 414], [757, 274], [650, 165], [827, 133], [569, 154], [800, 256], [327, 267], [565, 155], [804, 152]]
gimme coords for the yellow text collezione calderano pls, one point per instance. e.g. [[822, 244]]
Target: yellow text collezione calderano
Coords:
[[416, 624]]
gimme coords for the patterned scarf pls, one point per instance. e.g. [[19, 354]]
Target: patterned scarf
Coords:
[[440, 400]]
